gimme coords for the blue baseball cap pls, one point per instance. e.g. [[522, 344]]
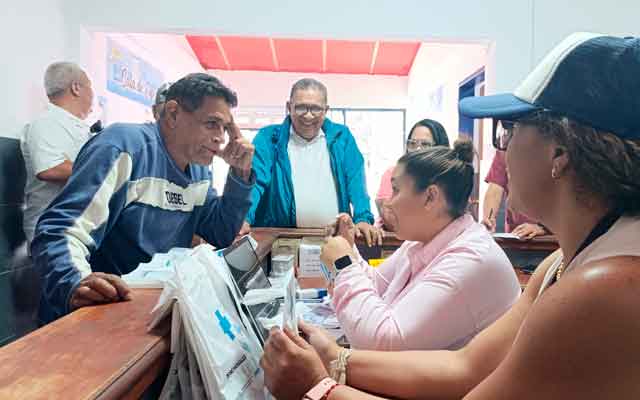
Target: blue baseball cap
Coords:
[[592, 78]]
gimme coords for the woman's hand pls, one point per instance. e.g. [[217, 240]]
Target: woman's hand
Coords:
[[372, 235], [342, 226], [322, 342], [291, 365], [528, 231], [335, 247]]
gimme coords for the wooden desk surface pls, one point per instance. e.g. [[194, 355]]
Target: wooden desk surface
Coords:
[[540, 243], [67, 359], [105, 352], [269, 235]]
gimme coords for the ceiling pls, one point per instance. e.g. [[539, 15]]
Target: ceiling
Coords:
[[235, 53]]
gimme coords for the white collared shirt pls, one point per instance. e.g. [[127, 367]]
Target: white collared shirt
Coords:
[[314, 187], [49, 140]]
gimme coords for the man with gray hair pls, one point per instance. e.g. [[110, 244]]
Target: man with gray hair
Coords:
[[51, 142], [309, 169]]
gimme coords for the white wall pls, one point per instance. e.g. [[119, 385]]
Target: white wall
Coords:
[[31, 37], [170, 54], [442, 67], [439, 68], [508, 23], [272, 89], [553, 20]]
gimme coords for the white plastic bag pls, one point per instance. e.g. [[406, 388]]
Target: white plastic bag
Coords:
[[227, 351]]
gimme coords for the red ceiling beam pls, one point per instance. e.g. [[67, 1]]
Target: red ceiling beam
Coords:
[[304, 55]]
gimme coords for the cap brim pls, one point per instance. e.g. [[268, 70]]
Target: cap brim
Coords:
[[500, 106]]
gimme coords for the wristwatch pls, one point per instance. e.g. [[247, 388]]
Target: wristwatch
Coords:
[[321, 390], [342, 262]]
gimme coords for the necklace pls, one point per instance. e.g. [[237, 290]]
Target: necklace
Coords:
[[560, 270]]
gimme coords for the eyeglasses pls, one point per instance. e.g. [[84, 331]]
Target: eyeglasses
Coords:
[[502, 133], [315, 110], [414, 144]]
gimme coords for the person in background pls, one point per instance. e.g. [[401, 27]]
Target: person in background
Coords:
[[51, 142], [309, 169], [448, 280], [161, 98], [423, 134], [514, 222], [141, 189], [573, 334]]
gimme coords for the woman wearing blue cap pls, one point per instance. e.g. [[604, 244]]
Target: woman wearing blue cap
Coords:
[[571, 132]]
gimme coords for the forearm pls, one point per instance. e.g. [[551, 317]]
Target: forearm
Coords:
[[410, 374], [244, 174], [347, 393], [58, 174], [362, 215], [226, 214], [59, 276], [492, 200], [256, 195]]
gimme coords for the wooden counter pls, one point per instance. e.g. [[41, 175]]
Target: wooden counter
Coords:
[[266, 237], [541, 243], [105, 352], [101, 352]]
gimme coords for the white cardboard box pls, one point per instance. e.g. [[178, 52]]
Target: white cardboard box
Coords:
[[310, 257]]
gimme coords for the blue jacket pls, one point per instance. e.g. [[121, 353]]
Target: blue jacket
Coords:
[[273, 202], [125, 201]]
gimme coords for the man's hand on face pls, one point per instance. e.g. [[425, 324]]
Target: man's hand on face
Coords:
[[238, 153], [99, 288]]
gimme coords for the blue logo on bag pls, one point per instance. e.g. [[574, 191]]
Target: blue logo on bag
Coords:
[[225, 325]]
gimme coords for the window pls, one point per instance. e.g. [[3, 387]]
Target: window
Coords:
[[380, 135]]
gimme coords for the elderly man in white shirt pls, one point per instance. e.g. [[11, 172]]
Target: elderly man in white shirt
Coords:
[[51, 142]]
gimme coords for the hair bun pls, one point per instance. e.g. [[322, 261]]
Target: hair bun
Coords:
[[463, 149]]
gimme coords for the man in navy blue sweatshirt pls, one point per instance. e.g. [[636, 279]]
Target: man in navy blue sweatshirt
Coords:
[[140, 189]]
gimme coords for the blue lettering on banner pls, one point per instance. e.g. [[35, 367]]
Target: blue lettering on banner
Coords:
[[130, 76]]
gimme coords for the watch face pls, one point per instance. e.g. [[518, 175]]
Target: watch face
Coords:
[[343, 262]]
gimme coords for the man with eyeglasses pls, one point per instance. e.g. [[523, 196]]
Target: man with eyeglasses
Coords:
[[309, 169], [141, 189], [498, 180]]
